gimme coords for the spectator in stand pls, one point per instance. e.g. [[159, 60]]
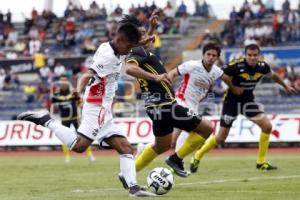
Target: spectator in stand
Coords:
[[33, 32], [29, 91], [34, 14], [118, 11], [201, 10], [34, 46], [94, 11], [152, 7], [8, 17], [181, 9], [45, 74], [184, 24], [12, 38], [157, 45], [39, 60], [270, 6], [59, 70], [169, 10], [141, 15], [131, 9], [87, 46], [286, 7]]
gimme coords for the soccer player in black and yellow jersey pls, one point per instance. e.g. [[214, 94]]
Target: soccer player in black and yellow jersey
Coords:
[[245, 73], [164, 112]]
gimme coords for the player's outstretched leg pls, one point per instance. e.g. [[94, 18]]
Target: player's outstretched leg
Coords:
[[42, 117]]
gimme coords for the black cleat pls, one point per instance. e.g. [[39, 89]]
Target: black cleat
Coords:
[[136, 191], [265, 166], [194, 165], [177, 166], [37, 117], [124, 183]]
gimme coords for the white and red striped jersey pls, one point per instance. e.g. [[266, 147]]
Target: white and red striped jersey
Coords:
[[196, 83], [102, 87]]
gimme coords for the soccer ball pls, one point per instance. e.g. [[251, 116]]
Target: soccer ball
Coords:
[[160, 180]]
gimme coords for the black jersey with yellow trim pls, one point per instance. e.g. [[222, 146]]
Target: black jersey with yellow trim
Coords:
[[154, 93], [245, 76], [67, 105]]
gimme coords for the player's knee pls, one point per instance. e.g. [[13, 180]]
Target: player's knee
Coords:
[[159, 149], [126, 149], [220, 139], [207, 129], [79, 149], [267, 128]]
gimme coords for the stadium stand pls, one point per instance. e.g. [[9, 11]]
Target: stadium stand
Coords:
[[46, 46]]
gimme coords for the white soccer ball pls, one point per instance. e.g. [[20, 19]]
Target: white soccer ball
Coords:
[[160, 180]]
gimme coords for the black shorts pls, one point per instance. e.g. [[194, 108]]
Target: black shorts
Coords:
[[167, 117], [68, 123], [231, 109]]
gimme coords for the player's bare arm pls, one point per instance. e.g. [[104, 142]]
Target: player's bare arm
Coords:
[[173, 74], [235, 89], [288, 89], [83, 81], [134, 70]]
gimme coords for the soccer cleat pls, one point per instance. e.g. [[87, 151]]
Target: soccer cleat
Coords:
[[37, 117], [194, 165], [124, 184], [136, 191], [265, 166], [123, 181], [177, 166]]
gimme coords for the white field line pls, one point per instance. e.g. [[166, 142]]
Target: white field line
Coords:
[[199, 183]]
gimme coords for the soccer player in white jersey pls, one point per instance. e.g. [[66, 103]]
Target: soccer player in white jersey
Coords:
[[101, 84], [198, 79]]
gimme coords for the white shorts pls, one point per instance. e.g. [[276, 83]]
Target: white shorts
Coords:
[[97, 123]]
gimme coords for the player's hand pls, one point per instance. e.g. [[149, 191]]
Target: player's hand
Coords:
[[75, 93], [290, 90], [147, 39], [237, 90], [153, 20], [163, 77]]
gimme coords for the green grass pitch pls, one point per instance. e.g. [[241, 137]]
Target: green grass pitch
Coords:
[[220, 177]]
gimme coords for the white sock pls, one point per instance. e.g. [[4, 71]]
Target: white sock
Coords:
[[181, 139], [67, 135], [127, 167]]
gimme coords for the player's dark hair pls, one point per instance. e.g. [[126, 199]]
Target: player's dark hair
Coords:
[[252, 47], [212, 46], [130, 32], [130, 19]]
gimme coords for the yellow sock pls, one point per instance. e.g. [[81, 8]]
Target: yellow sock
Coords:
[[66, 151], [263, 147], [147, 155], [209, 144], [89, 152], [192, 142]]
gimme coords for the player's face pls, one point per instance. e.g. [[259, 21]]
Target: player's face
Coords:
[[252, 57], [64, 84], [143, 31], [123, 45], [210, 57]]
